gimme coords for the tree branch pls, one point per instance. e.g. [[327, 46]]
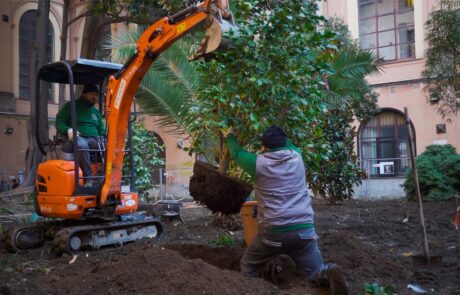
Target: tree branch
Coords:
[[87, 13]]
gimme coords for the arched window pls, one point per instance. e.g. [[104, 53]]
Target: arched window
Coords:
[[383, 145], [27, 34]]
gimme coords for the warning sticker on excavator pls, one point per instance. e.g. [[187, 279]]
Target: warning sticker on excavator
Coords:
[[120, 93], [181, 27], [109, 168]]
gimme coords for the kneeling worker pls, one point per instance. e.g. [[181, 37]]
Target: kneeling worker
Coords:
[[89, 126], [285, 214]]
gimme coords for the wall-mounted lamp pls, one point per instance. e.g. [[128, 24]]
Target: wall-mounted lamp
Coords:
[[441, 128], [9, 130]]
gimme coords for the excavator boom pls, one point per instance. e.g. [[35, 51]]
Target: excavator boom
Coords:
[[123, 86]]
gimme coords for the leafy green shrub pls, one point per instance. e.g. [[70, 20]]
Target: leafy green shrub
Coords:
[[376, 289], [146, 158], [340, 171], [223, 240], [438, 171]]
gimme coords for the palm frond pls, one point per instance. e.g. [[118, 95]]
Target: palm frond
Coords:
[[348, 84], [169, 86], [122, 46], [355, 63]]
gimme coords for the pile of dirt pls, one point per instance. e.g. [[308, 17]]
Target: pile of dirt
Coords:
[[279, 271], [362, 262], [216, 191], [155, 270]]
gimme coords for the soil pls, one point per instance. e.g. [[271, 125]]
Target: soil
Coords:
[[371, 240], [218, 192]]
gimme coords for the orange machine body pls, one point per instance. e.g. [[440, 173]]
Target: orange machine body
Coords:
[[56, 187]]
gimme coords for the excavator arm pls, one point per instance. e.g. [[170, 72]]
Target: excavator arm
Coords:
[[123, 86]]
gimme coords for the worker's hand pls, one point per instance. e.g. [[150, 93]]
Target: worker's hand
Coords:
[[226, 131], [70, 133]]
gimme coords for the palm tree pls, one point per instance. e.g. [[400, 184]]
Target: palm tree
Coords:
[[169, 88]]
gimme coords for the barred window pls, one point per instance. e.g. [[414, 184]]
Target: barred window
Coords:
[[383, 145]]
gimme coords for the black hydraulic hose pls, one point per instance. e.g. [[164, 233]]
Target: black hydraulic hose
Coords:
[[182, 14], [132, 176], [135, 111], [126, 65]]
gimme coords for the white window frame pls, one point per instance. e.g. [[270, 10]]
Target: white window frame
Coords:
[[419, 19]]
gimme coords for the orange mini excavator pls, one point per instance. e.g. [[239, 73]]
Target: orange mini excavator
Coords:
[[92, 217]]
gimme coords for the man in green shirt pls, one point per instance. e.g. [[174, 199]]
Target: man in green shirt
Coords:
[[284, 211], [89, 125]]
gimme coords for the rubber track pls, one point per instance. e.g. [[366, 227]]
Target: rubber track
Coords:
[[9, 237], [61, 242]]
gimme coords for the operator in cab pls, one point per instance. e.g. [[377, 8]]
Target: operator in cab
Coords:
[[90, 127]]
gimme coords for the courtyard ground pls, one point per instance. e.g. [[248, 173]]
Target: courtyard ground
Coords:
[[372, 240]]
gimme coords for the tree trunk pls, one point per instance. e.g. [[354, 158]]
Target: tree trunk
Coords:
[[65, 29], [33, 154], [92, 32], [224, 159]]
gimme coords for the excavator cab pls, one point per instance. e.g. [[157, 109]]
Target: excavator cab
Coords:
[[57, 183]]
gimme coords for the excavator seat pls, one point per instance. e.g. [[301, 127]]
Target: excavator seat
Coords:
[[67, 153], [96, 156]]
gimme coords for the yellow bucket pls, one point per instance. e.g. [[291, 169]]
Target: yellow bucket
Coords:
[[249, 221]]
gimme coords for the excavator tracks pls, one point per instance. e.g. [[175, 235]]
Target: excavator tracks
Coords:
[[73, 239], [28, 236], [70, 238]]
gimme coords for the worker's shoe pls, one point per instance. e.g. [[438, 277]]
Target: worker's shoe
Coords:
[[337, 283]]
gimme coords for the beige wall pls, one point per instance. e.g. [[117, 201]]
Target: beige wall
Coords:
[[12, 145], [392, 95], [178, 162], [399, 83], [176, 157], [423, 114], [6, 37]]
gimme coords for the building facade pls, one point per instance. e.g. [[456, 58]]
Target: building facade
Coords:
[[395, 31], [17, 34]]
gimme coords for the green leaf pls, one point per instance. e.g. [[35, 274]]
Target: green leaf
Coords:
[[390, 290]]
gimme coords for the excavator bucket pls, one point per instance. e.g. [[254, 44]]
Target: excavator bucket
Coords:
[[214, 40]]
